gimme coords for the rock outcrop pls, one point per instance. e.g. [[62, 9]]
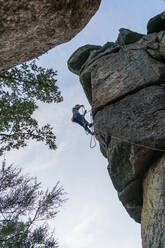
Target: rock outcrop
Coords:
[[30, 28], [124, 82]]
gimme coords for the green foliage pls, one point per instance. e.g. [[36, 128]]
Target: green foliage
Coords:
[[20, 90], [25, 210]]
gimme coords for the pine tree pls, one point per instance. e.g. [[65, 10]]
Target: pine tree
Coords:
[[25, 210]]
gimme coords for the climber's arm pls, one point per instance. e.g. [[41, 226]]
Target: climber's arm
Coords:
[[78, 107], [84, 113]]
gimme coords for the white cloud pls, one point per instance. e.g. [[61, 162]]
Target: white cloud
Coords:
[[79, 235]]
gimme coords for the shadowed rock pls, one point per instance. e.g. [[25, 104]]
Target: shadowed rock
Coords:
[[78, 58], [156, 24], [30, 28]]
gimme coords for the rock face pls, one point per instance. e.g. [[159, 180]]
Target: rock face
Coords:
[[126, 88], [124, 82], [153, 213], [30, 28]]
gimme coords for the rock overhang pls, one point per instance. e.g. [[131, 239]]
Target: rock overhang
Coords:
[[30, 28], [107, 87]]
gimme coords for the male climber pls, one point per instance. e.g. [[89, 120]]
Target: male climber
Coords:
[[80, 118]]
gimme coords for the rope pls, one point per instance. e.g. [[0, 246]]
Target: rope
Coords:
[[92, 141], [136, 144]]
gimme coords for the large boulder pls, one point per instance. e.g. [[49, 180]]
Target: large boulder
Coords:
[[125, 86], [30, 28]]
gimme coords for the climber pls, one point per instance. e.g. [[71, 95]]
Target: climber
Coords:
[[80, 118]]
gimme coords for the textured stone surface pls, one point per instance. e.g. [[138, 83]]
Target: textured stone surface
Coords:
[[126, 88], [124, 76], [78, 58], [156, 24], [133, 118], [153, 213], [30, 28], [84, 69], [127, 36]]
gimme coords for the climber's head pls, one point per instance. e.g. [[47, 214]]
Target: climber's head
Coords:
[[77, 105]]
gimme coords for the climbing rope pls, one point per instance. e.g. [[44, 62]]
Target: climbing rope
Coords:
[[93, 142], [136, 144], [93, 139]]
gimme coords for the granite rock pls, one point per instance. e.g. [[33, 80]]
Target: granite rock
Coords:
[[30, 28], [126, 89]]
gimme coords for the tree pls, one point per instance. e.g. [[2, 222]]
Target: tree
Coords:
[[25, 210], [20, 90]]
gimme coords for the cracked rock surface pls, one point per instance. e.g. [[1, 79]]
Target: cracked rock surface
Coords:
[[30, 28], [124, 82]]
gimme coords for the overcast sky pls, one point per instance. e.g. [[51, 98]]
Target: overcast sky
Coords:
[[93, 217]]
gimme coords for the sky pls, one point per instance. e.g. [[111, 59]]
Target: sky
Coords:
[[93, 216]]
